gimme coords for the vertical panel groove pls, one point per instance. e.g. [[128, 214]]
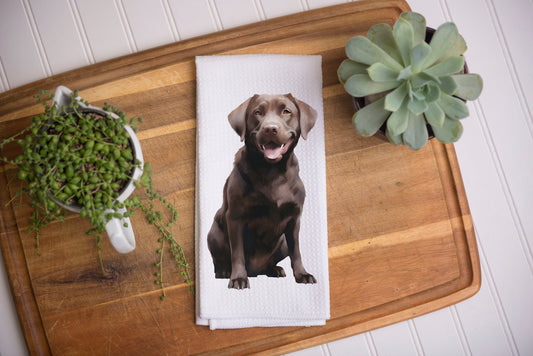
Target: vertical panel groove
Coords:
[[460, 331], [126, 26], [495, 296], [80, 28], [415, 337], [325, 350], [371, 344], [3, 77], [515, 79], [215, 16], [445, 10], [305, 5], [171, 21], [259, 9], [45, 63]]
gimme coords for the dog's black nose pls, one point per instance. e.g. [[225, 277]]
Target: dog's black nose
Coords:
[[271, 129]]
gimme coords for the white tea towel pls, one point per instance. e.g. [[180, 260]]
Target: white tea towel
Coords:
[[223, 84]]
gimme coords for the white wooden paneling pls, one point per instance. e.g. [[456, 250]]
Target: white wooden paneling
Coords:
[[438, 333], [311, 351], [488, 192], [507, 121], [351, 346], [19, 55], [495, 153], [104, 28], [11, 337], [3, 78], [483, 320], [393, 340], [315, 4], [234, 13], [59, 35], [497, 238], [506, 133], [514, 20], [139, 13], [193, 18], [276, 8]]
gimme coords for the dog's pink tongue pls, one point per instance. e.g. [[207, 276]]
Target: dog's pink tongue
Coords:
[[272, 151]]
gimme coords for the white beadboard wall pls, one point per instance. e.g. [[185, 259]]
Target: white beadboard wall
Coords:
[[495, 153]]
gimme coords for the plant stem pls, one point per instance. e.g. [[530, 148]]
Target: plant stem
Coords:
[[99, 246]]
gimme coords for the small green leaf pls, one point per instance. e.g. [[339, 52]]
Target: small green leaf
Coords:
[[416, 134], [453, 107], [417, 106], [369, 119], [432, 92], [421, 79], [449, 66], [379, 72], [434, 115], [418, 23], [405, 73], [418, 54], [396, 140], [469, 86], [403, 33], [395, 98], [360, 85], [397, 122], [22, 175], [459, 47], [127, 154], [349, 68], [147, 168], [447, 85], [450, 131], [361, 50], [442, 41], [381, 35]]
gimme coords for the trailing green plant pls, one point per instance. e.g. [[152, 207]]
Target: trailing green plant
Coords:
[[409, 83], [81, 158]]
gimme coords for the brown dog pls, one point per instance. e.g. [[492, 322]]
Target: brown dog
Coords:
[[259, 221]]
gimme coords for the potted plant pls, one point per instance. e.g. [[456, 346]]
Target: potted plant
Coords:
[[89, 161], [410, 81]]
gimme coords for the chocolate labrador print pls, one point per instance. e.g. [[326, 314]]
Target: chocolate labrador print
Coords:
[[259, 222]]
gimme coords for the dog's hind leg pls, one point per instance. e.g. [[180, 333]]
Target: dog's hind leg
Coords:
[[280, 253], [276, 271], [220, 251]]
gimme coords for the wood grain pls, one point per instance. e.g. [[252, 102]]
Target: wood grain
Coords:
[[401, 240]]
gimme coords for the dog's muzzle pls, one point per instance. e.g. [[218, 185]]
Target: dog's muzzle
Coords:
[[274, 142]]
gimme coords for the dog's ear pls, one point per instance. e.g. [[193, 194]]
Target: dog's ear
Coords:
[[237, 118], [307, 117]]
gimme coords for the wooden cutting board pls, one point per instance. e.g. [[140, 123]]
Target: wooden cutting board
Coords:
[[401, 240]]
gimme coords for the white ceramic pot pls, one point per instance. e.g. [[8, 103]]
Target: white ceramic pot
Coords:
[[120, 231]]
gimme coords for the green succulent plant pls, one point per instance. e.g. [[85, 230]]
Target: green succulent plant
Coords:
[[409, 83]]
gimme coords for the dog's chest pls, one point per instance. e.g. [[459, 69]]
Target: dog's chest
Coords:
[[273, 205], [279, 191]]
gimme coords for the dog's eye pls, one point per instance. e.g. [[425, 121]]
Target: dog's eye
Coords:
[[286, 111], [257, 113]]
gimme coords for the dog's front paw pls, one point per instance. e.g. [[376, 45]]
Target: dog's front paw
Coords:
[[239, 283], [305, 278]]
